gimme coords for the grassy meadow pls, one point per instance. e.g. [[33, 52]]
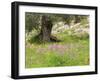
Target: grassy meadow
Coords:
[[73, 50]]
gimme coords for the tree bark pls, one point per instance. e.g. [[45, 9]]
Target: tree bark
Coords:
[[46, 28]]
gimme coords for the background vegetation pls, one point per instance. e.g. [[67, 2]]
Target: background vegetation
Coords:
[[56, 40]]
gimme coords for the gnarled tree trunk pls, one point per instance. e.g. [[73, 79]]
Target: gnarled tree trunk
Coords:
[[46, 28]]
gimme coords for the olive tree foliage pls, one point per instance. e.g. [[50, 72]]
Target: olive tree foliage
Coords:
[[33, 20]]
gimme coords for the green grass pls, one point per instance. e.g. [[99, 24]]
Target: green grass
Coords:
[[71, 51]]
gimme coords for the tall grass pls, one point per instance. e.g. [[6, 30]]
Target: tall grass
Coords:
[[71, 51]]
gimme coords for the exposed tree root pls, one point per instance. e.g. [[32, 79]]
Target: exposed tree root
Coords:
[[54, 39]]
